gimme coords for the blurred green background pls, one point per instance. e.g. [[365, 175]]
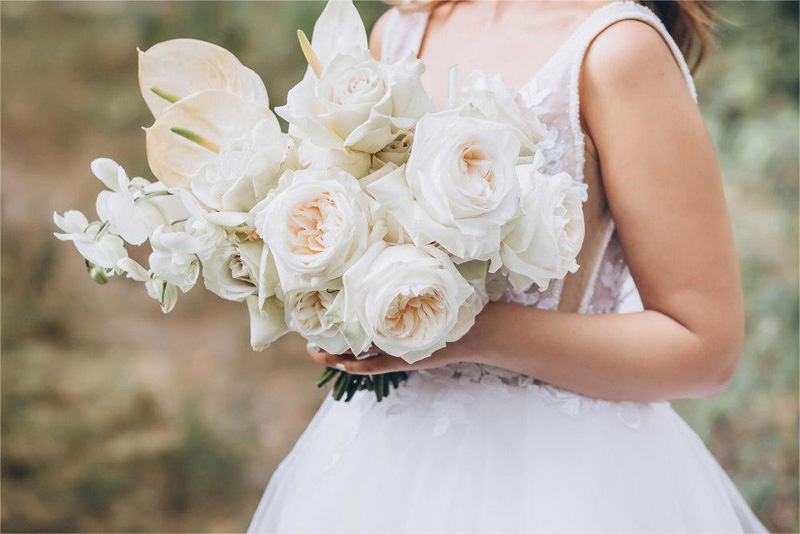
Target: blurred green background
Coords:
[[115, 418]]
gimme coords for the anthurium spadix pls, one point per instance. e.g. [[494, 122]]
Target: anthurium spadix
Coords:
[[348, 100], [226, 150], [179, 68]]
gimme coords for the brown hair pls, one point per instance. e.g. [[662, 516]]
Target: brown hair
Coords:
[[689, 22]]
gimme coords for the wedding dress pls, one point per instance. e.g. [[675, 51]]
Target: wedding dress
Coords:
[[470, 448]]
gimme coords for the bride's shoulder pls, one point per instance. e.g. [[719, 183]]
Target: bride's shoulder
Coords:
[[630, 56]]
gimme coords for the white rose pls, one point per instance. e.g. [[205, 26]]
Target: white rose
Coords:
[[233, 269], [94, 241], [458, 188], [312, 156], [317, 224], [306, 313], [358, 103], [403, 298], [498, 102], [397, 152], [352, 101], [227, 151], [543, 242]]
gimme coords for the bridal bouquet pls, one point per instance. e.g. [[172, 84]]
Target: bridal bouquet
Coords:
[[375, 220]]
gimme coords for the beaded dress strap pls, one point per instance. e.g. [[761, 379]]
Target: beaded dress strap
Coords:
[[593, 26]]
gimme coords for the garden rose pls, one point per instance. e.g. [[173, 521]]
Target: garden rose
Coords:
[[403, 298], [498, 102], [306, 313], [542, 243], [458, 188], [355, 102], [317, 224]]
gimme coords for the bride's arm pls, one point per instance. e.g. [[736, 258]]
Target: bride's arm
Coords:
[[664, 189]]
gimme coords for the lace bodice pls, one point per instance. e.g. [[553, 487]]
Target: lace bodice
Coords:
[[553, 93]]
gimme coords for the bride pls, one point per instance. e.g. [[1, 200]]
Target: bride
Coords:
[[552, 413]]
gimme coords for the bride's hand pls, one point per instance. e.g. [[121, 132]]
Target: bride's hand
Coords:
[[383, 363]]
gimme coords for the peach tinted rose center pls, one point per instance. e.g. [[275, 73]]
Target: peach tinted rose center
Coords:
[[311, 225], [415, 315], [477, 167]]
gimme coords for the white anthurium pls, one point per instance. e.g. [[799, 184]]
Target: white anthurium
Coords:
[[233, 269], [133, 207], [404, 299], [317, 223], [266, 322], [306, 312], [542, 243], [312, 156], [348, 100], [227, 151], [175, 69], [174, 257], [159, 289], [458, 188], [498, 102], [94, 241]]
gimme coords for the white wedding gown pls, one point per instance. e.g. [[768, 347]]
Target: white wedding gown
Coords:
[[469, 448]]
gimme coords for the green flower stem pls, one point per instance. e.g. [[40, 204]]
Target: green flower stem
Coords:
[[345, 385]]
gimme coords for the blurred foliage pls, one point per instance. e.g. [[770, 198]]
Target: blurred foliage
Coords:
[[114, 419]]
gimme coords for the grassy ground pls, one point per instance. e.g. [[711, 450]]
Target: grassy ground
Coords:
[[117, 419]]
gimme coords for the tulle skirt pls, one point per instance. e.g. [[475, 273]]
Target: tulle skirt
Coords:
[[456, 453]]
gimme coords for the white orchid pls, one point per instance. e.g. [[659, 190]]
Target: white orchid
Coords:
[[173, 70], [349, 101], [174, 257], [159, 289], [133, 207], [94, 241], [227, 151]]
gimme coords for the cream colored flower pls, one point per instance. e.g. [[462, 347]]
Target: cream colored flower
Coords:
[[498, 102], [317, 224], [353, 102], [458, 188], [227, 151], [404, 299], [173, 70], [543, 242], [306, 313]]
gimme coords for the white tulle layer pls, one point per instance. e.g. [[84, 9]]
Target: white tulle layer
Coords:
[[450, 455]]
